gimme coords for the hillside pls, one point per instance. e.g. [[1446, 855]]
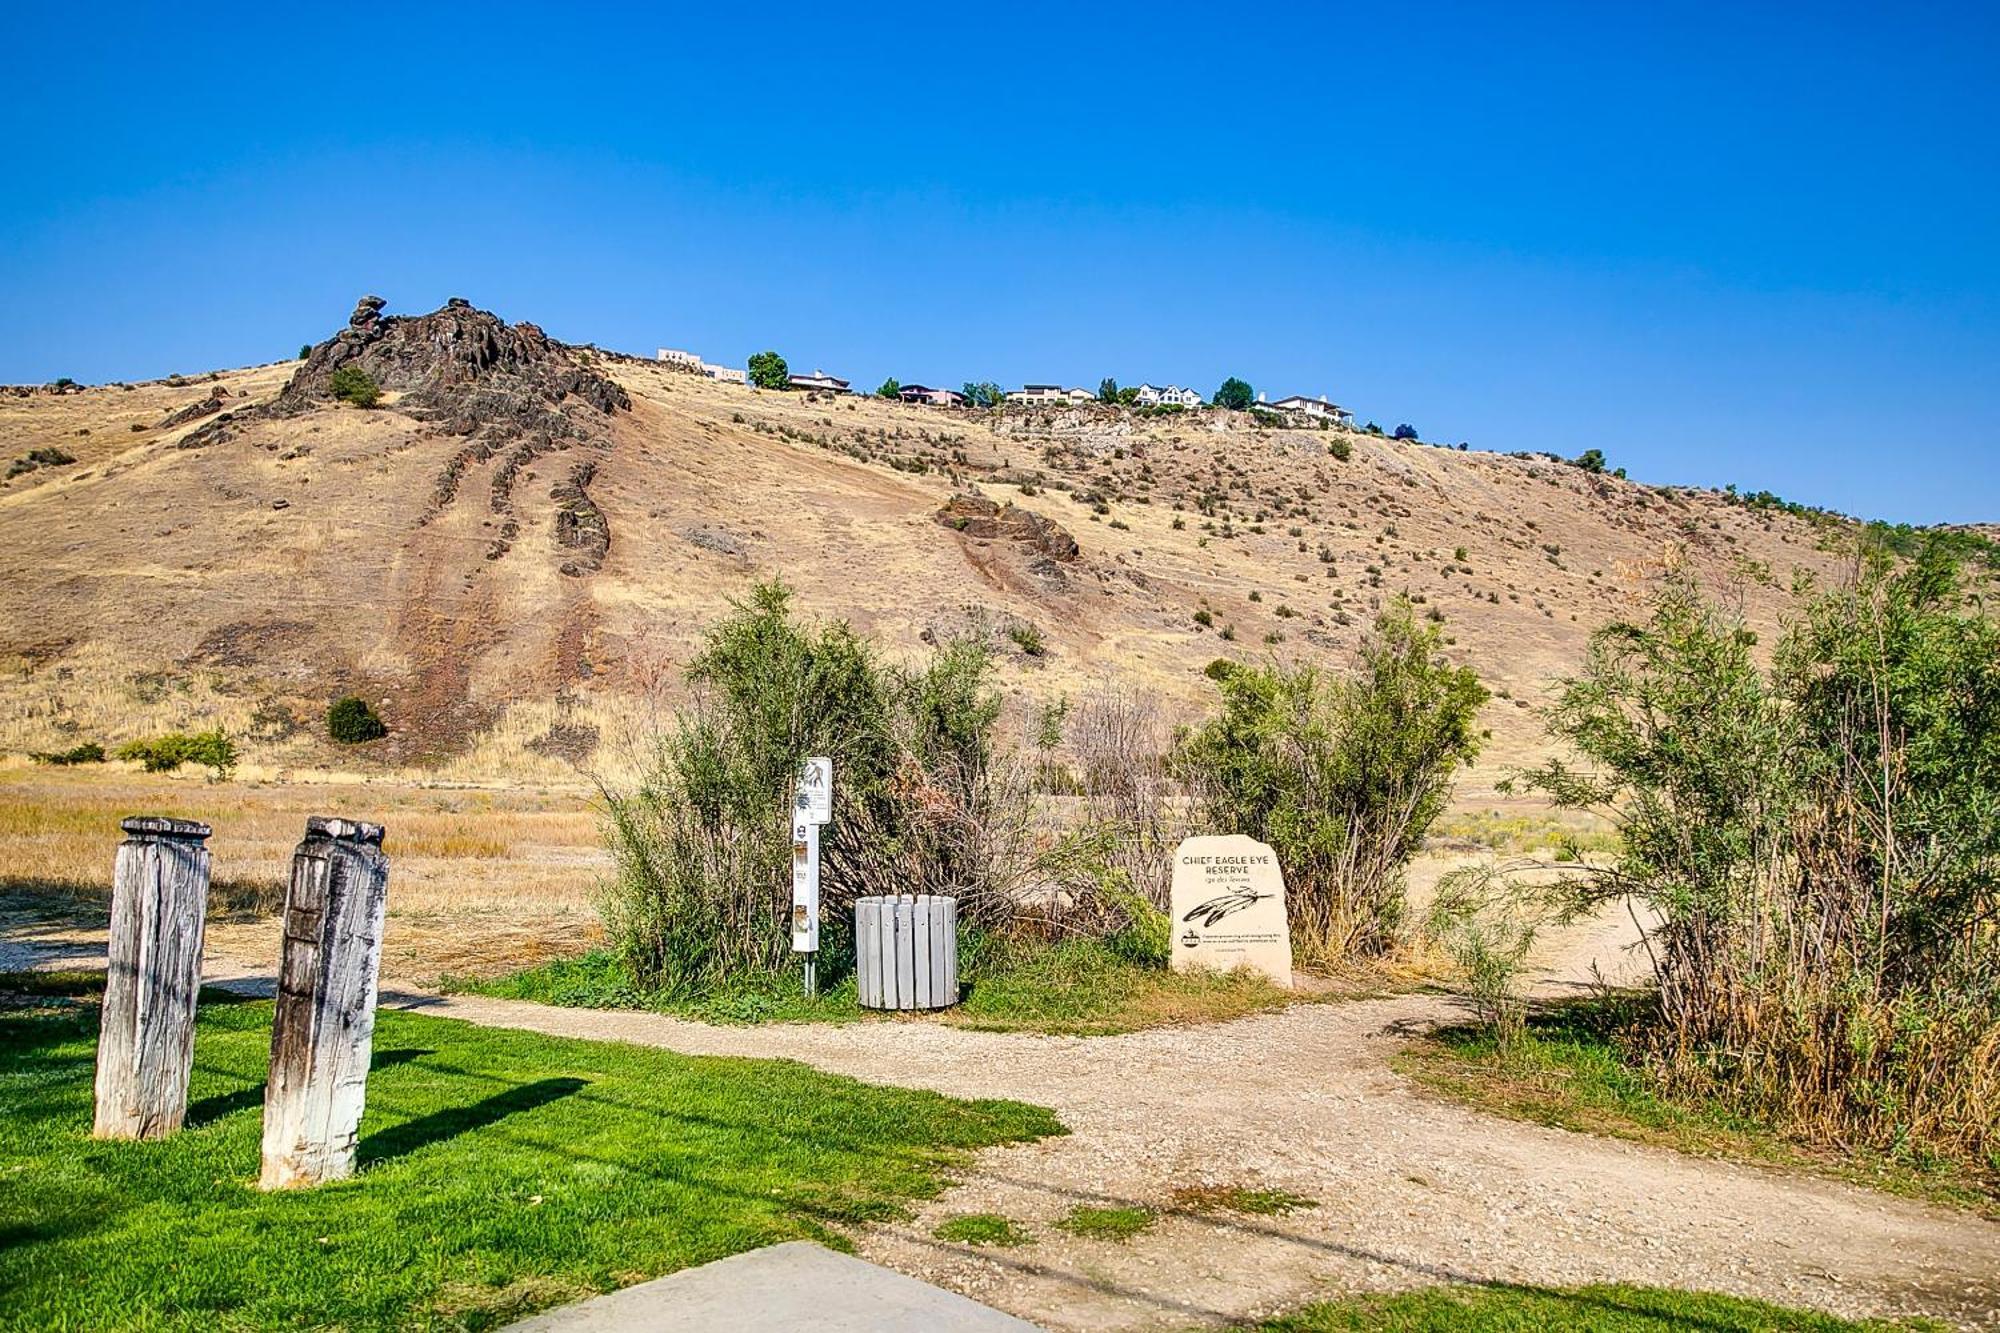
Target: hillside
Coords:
[[514, 551]]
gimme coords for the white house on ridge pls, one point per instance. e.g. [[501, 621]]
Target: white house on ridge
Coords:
[[1171, 396]]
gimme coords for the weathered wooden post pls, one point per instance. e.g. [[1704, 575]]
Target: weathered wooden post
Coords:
[[145, 1046], [323, 1032]]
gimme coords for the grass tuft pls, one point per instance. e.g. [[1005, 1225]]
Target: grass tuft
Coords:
[[982, 1229], [1119, 1224], [1596, 1309], [1203, 1199]]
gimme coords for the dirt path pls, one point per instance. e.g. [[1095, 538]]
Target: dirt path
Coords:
[[1409, 1190]]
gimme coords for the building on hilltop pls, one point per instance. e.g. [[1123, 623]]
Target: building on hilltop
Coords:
[[1319, 409], [919, 393], [688, 361], [1049, 395], [819, 379], [1171, 396]]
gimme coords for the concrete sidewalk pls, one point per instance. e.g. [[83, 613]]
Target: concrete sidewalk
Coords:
[[796, 1285]]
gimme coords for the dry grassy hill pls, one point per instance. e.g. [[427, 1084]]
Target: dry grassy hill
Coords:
[[518, 546]]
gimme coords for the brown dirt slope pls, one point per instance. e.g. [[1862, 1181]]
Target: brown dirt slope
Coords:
[[521, 524]]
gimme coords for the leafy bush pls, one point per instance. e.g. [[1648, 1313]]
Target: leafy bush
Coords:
[[1341, 776], [1340, 449], [891, 387], [1406, 431], [350, 721], [90, 752], [213, 750], [1590, 460], [1235, 395], [1818, 839], [352, 384], [767, 370]]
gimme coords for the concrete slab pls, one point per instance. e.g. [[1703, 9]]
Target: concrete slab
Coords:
[[797, 1285]]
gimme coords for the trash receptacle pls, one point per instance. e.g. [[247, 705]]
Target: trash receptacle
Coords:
[[906, 951]]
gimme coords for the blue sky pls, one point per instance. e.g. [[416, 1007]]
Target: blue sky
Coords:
[[1750, 244]]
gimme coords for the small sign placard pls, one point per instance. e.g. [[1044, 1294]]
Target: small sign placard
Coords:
[[1229, 908]]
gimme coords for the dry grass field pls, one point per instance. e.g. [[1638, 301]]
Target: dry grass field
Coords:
[[247, 581]]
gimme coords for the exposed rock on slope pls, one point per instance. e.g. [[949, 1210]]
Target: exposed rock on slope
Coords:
[[977, 516]]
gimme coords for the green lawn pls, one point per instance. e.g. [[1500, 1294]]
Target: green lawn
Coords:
[[1603, 1309], [500, 1172], [1076, 987], [1570, 1071]]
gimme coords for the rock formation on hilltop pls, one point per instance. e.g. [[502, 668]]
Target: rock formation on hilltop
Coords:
[[511, 390]]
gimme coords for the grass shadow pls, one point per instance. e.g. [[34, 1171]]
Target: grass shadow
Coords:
[[401, 1140]]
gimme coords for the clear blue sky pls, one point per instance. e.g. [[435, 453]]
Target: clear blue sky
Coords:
[[1727, 243]]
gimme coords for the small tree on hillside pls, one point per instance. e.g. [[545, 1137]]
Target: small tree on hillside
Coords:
[[1107, 390], [350, 721], [890, 388], [984, 394], [767, 370], [352, 384], [1406, 431], [1590, 460], [1235, 395]]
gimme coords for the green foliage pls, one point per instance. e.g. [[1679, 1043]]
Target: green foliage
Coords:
[[1107, 390], [702, 890], [984, 394], [890, 388], [1341, 776], [213, 750], [1487, 921], [500, 1172], [767, 370], [1818, 839], [1128, 395], [1583, 1065], [352, 384], [982, 1229], [1590, 460], [351, 721], [1115, 1224], [305, 350], [1028, 639], [89, 752], [1405, 432], [1235, 395], [1340, 449], [1499, 1308]]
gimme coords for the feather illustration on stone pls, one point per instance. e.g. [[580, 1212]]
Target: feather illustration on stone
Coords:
[[1225, 905]]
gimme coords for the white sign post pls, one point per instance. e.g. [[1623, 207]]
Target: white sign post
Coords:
[[812, 806]]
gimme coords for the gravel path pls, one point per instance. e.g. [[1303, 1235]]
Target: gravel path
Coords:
[[1409, 1190]]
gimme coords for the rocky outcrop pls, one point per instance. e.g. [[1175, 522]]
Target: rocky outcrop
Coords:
[[977, 516], [195, 411], [580, 525]]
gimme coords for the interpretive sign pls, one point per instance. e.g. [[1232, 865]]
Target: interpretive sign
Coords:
[[1229, 908], [812, 806]]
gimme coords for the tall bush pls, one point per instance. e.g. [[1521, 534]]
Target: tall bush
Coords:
[[1342, 776], [1819, 840], [922, 802]]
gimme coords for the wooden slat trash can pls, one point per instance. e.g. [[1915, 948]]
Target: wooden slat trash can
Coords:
[[906, 951]]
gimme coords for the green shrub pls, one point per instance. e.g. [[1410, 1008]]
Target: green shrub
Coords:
[[1817, 838], [1342, 777], [213, 750], [352, 384], [1028, 639], [767, 370], [350, 721], [703, 883], [90, 752], [1340, 449]]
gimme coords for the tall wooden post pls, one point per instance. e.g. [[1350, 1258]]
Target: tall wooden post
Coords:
[[323, 1031], [145, 1046]]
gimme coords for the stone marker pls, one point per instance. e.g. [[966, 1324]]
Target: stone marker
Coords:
[[323, 1030], [145, 1046], [1229, 908]]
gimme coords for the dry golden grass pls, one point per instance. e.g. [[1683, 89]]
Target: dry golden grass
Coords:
[[479, 881]]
